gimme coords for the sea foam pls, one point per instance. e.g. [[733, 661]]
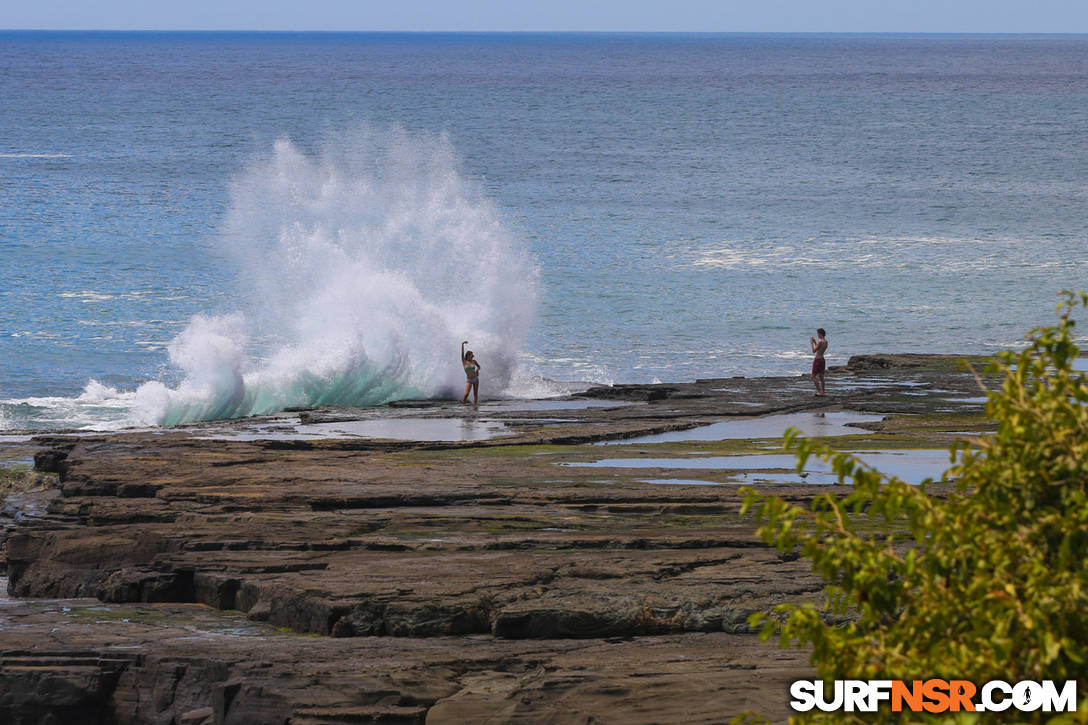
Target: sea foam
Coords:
[[362, 267]]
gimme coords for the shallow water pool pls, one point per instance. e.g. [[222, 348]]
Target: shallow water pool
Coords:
[[912, 466], [772, 426], [419, 429]]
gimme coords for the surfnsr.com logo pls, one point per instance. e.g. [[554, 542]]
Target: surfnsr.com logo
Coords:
[[933, 695]]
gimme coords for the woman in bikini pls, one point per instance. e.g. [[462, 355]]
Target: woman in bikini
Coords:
[[819, 347], [472, 375]]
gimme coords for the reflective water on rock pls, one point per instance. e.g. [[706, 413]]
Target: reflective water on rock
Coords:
[[530, 405], [688, 482], [974, 399], [419, 429], [810, 424], [912, 466]]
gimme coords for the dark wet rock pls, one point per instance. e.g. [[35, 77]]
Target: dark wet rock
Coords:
[[163, 664], [58, 687], [859, 363], [647, 393]]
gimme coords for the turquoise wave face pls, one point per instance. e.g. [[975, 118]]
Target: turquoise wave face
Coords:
[[362, 387]]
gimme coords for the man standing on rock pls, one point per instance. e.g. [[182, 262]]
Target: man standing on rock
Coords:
[[819, 365]]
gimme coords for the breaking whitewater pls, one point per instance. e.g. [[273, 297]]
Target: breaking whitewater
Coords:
[[364, 264]]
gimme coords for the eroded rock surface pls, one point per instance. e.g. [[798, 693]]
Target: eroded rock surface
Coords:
[[448, 581], [76, 661]]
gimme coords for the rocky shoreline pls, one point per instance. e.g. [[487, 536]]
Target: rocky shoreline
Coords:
[[544, 563]]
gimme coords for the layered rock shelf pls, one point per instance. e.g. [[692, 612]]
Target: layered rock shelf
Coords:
[[255, 571]]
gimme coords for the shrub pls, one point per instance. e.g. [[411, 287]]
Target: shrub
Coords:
[[979, 579]]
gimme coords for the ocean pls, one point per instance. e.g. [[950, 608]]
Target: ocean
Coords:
[[209, 225]]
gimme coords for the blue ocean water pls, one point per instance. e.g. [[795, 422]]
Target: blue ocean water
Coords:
[[339, 211]]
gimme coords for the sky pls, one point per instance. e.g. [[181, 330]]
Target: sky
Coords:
[[817, 16]]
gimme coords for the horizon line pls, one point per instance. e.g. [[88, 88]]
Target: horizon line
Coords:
[[549, 32]]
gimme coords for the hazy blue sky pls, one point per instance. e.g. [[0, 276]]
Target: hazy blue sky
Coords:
[[980, 16]]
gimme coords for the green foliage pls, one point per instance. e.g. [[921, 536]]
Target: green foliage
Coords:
[[982, 580]]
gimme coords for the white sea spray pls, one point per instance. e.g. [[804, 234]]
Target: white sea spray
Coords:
[[361, 269]]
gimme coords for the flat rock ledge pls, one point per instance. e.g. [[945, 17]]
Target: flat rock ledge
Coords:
[[190, 578]]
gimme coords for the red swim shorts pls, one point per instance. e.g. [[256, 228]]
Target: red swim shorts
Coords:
[[818, 364]]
